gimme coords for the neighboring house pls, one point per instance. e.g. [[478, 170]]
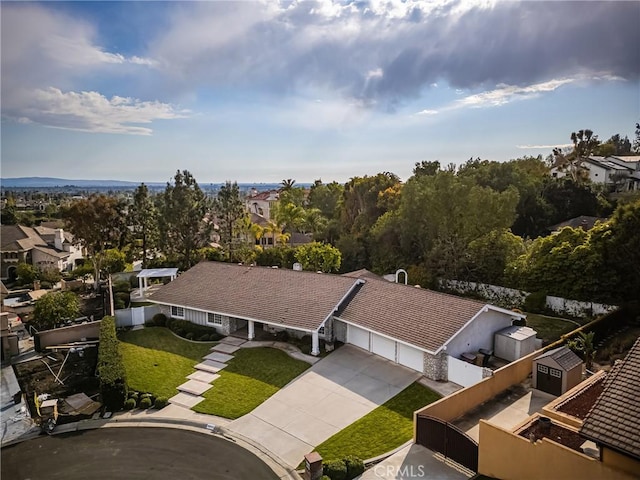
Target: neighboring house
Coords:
[[41, 247], [620, 173], [421, 329], [614, 421], [583, 221], [591, 432], [261, 202]]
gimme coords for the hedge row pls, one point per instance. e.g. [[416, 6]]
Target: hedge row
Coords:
[[346, 469], [111, 371], [184, 328]]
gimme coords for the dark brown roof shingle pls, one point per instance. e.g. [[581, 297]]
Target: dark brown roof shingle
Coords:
[[413, 315], [280, 296], [614, 420]]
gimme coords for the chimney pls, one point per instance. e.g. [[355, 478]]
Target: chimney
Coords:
[[58, 238]]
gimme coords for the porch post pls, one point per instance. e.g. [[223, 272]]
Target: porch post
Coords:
[[140, 285], [251, 335], [315, 344]]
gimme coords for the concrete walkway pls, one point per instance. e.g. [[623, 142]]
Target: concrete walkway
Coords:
[[190, 393], [331, 395]]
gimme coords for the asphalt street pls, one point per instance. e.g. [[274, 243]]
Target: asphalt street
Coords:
[[125, 453]]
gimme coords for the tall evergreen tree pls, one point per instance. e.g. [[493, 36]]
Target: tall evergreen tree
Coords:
[[184, 223], [229, 209], [143, 217]]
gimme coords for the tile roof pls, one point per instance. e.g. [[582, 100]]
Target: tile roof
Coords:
[[52, 251], [563, 357], [413, 315], [614, 420], [280, 296], [18, 237], [362, 273]]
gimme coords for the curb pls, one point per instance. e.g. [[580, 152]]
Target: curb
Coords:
[[273, 462]]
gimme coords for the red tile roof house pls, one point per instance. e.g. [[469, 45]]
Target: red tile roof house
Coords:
[[421, 329]]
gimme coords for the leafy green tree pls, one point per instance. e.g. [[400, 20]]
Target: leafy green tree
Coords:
[[490, 256], [438, 216], [99, 222], [287, 184], [316, 256], [113, 261], [326, 198], [26, 273], [50, 275], [426, 168], [53, 308], [8, 215], [584, 343], [143, 217], [229, 210], [185, 224], [636, 141]]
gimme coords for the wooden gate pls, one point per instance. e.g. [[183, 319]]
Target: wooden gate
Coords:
[[453, 443]]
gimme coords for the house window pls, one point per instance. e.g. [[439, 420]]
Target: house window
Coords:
[[543, 369], [321, 330], [555, 372], [214, 318], [177, 311]]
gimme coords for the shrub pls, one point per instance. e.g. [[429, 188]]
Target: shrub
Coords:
[[189, 336], [355, 466], [122, 298], [130, 404], [45, 285], [336, 470], [145, 403], [160, 402], [111, 371], [184, 327], [536, 302], [204, 338], [133, 394], [325, 477], [160, 319], [133, 281], [121, 286], [282, 336]]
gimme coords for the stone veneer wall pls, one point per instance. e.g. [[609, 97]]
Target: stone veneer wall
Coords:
[[435, 366], [339, 331]]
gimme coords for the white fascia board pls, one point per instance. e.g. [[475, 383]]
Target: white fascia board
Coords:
[[386, 336], [484, 309], [344, 297]]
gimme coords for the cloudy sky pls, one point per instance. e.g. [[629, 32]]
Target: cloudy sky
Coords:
[[261, 91]]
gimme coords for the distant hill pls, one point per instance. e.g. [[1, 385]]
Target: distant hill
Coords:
[[31, 182], [50, 182]]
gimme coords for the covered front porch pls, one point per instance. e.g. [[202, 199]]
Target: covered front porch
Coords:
[[262, 331]]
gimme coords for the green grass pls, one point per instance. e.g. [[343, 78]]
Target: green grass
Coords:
[[252, 376], [385, 428], [550, 329], [157, 361]]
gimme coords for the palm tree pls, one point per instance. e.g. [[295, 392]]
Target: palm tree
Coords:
[[287, 184]]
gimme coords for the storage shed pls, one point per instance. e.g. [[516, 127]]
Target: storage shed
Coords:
[[514, 342], [557, 371]]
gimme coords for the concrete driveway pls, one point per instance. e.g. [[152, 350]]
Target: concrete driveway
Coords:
[[328, 397]]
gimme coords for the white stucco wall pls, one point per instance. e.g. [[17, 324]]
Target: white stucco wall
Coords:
[[479, 333]]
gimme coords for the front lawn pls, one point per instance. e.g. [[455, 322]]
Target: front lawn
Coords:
[[252, 376], [157, 361], [550, 329], [385, 428]]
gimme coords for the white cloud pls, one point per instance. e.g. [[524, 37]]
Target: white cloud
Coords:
[[93, 112], [508, 93], [427, 112]]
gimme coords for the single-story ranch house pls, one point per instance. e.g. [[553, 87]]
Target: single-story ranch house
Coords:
[[421, 329]]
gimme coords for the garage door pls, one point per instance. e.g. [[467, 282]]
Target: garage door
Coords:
[[358, 337], [410, 357], [383, 346]]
